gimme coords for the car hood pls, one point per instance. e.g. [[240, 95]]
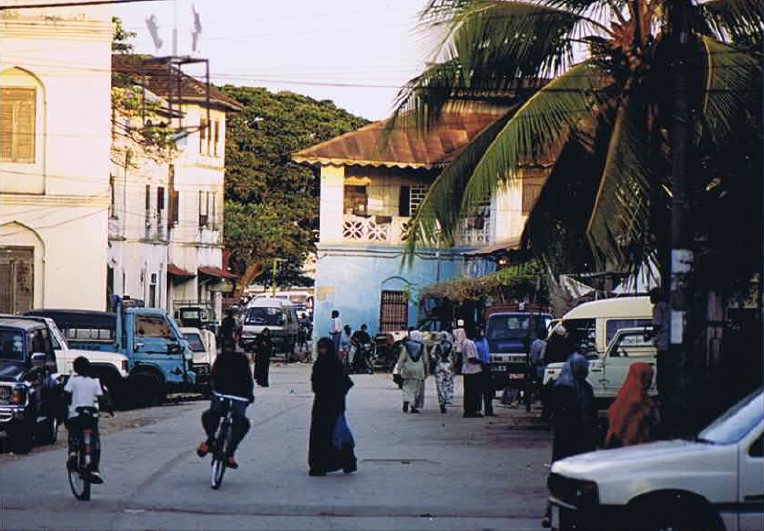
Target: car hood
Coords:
[[11, 371], [97, 355]]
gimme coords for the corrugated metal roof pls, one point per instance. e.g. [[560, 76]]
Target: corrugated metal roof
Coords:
[[406, 147], [164, 80]]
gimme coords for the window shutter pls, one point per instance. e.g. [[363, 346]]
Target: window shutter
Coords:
[[160, 198], [404, 202], [25, 122], [17, 124], [6, 127], [174, 207]]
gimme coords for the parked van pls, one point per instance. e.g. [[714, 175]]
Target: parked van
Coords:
[[278, 316]]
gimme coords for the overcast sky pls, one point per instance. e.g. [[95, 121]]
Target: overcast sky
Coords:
[[355, 52]]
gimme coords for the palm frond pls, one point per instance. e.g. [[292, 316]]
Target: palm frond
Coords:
[[733, 20], [620, 214], [533, 133], [732, 86]]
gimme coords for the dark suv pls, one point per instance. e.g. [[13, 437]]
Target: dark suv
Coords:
[[30, 395]]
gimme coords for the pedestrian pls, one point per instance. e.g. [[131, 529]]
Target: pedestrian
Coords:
[[412, 367], [459, 336], [660, 335], [336, 329], [330, 386], [472, 372], [442, 352], [537, 354], [575, 413], [486, 381], [345, 345], [263, 352], [228, 331], [634, 415]]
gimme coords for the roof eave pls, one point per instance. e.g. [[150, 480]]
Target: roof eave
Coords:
[[324, 161]]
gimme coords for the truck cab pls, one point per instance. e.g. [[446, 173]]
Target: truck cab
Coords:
[[509, 333]]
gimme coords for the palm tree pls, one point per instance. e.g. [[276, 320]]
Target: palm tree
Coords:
[[587, 85]]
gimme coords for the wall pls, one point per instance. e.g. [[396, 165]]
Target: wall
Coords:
[[58, 203]]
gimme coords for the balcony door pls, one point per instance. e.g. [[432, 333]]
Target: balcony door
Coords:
[[393, 311]]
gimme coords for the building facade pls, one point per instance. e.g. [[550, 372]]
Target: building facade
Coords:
[[166, 235], [55, 114], [368, 197]]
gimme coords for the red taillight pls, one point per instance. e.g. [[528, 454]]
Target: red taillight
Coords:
[[17, 396]]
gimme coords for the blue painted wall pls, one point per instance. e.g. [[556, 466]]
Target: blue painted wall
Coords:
[[350, 278]]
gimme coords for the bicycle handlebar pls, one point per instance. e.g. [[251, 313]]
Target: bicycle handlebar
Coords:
[[231, 397]]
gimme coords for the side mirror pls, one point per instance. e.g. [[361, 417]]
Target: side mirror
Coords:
[[38, 360]]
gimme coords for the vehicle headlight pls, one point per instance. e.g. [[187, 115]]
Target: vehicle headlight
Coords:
[[124, 365], [576, 492], [18, 396]]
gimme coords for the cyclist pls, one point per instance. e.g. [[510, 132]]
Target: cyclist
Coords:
[[83, 391], [232, 376]]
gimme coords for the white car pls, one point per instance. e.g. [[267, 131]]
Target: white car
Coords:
[[714, 482], [204, 347]]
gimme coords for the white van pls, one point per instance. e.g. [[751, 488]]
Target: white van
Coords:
[[593, 325], [278, 316]]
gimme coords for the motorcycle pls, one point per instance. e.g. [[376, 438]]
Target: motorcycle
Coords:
[[363, 359]]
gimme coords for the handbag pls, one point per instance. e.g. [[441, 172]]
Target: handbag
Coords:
[[342, 437]]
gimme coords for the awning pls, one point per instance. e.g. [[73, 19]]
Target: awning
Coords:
[[506, 245], [217, 272], [179, 272]]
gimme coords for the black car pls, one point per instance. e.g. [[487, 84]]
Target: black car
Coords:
[[30, 394]]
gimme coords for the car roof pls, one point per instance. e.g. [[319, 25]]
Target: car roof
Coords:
[[619, 307], [265, 303], [77, 318], [20, 322], [190, 330]]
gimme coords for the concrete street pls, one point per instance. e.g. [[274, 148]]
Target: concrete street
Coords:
[[427, 471]]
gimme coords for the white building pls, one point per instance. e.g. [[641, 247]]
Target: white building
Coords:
[[54, 156], [166, 235]]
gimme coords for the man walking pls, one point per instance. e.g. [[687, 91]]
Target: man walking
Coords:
[[459, 336], [336, 330], [472, 371], [661, 315], [486, 387]]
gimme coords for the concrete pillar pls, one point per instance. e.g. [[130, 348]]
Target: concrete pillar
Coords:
[[332, 201]]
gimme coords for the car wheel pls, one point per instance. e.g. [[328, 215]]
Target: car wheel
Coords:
[[676, 512], [146, 389], [48, 431], [21, 439]]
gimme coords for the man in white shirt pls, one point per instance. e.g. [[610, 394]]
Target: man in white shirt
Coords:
[[336, 331], [84, 392], [459, 336], [471, 369]]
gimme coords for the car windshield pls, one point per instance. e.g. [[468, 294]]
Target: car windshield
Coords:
[[194, 341], [738, 421], [269, 316], [11, 345]]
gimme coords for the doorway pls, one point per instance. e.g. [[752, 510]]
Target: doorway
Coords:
[[16, 279]]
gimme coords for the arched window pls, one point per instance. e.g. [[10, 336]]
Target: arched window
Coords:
[[20, 116]]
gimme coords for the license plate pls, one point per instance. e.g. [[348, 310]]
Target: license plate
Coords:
[[555, 518], [517, 376], [500, 368]]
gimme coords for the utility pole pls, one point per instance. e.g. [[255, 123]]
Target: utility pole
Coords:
[[274, 273], [681, 364]]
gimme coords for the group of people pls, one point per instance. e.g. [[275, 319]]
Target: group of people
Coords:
[[349, 344], [460, 352]]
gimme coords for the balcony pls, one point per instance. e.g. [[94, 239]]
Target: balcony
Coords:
[[392, 230]]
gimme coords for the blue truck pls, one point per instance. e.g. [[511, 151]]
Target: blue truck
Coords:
[[159, 358]]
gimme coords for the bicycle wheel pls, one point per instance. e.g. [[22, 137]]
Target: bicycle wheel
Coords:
[[79, 482], [219, 457]]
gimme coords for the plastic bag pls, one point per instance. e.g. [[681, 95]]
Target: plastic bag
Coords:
[[342, 437]]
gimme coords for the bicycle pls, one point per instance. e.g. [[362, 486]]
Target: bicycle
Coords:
[[80, 470], [221, 446]]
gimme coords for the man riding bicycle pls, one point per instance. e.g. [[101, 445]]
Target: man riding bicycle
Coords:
[[83, 391], [230, 376]]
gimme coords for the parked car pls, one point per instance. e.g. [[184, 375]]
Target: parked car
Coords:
[[712, 482], [608, 371], [109, 367], [204, 346], [278, 316], [159, 359], [30, 392]]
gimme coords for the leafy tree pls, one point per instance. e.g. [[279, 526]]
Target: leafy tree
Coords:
[[121, 37], [604, 117], [271, 202]]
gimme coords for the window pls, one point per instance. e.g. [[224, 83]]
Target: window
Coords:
[[16, 279], [147, 205], [214, 215], [404, 202], [174, 208], [203, 140], [531, 194], [215, 137], [356, 200], [393, 311], [152, 326], [757, 448], [17, 124], [204, 209], [614, 325]]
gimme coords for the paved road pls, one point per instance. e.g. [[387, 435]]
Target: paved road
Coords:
[[427, 471]]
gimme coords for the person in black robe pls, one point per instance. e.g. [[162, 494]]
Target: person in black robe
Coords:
[[263, 351], [330, 386], [575, 412]]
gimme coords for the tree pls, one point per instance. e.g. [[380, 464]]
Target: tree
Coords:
[[272, 202], [121, 37], [608, 111]]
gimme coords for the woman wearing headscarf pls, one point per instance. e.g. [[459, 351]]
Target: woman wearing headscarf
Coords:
[[263, 351], [575, 413], [444, 370], [412, 367], [330, 386], [634, 414]]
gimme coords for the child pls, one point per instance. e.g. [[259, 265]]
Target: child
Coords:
[[84, 391]]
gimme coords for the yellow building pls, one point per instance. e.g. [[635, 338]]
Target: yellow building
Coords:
[[55, 115]]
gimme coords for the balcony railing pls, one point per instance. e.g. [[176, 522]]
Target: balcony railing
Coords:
[[392, 230]]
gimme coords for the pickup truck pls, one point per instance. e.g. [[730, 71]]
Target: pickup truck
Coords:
[[110, 368], [607, 371], [159, 359], [713, 482]]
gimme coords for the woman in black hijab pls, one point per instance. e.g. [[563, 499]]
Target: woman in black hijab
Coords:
[[263, 352], [330, 385]]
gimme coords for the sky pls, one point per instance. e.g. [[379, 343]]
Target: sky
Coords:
[[357, 53]]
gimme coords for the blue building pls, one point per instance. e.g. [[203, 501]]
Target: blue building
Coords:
[[369, 194]]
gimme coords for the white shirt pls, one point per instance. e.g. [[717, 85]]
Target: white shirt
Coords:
[[538, 349], [336, 325], [85, 392], [470, 353], [459, 337]]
